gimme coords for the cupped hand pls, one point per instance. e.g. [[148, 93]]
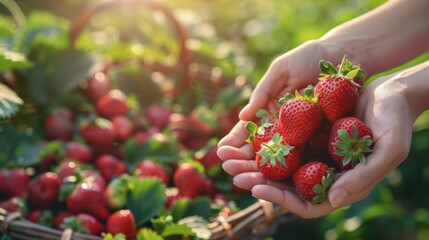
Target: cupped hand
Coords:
[[383, 105]]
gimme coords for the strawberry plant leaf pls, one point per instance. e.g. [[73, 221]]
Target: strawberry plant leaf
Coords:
[[9, 102], [178, 209], [148, 234], [177, 230], [145, 199], [13, 60]]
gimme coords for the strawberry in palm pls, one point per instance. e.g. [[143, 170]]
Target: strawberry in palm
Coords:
[[350, 141], [263, 133], [337, 92], [277, 160], [299, 116], [313, 180]]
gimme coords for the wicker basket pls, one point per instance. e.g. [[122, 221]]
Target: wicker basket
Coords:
[[257, 221]]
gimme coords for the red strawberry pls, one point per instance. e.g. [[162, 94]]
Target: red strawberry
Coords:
[[58, 126], [110, 166], [115, 193], [43, 190], [149, 168], [277, 160], [313, 180], [208, 156], [263, 133], [98, 86], [79, 152], [299, 116], [83, 223], [14, 204], [158, 115], [59, 218], [112, 104], [93, 176], [226, 121], [350, 141], [319, 140], [122, 127], [87, 197], [65, 169], [98, 134], [123, 222], [189, 181], [336, 90], [42, 217], [13, 183]]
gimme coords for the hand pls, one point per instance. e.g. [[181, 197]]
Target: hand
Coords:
[[385, 106]]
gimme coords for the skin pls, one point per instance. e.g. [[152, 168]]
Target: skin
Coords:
[[389, 105]]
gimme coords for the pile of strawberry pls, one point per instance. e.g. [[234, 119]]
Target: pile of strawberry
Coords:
[[113, 170], [314, 137]]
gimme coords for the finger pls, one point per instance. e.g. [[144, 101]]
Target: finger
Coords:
[[268, 88], [248, 180], [234, 167], [291, 202], [236, 137], [227, 152]]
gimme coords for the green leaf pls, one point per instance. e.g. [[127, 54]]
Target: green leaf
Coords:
[[327, 68], [145, 199], [178, 210], [177, 230], [9, 102], [13, 61], [52, 80], [200, 206], [161, 147], [148, 234]]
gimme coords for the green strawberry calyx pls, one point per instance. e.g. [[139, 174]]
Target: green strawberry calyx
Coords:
[[308, 95], [274, 151], [346, 69], [322, 189], [254, 129], [351, 148]]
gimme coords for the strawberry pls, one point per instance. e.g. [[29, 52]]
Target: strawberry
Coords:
[[122, 127], [122, 221], [83, 223], [13, 183], [263, 133], [208, 157], [43, 190], [110, 166], [42, 217], [112, 104], [78, 151], [189, 180], [97, 86], [299, 116], [226, 121], [277, 160], [14, 204], [313, 180], [65, 169], [149, 168], [59, 126], [318, 141], [350, 141], [59, 218], [158, 115], [98, 134], [336, 90], [115, 193], [87, 197]]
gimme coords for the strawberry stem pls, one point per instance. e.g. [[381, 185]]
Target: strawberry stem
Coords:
[[274, 151]]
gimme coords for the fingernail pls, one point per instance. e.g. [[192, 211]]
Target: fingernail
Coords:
[[337, 197]]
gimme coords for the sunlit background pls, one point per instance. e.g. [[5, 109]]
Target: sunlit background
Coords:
[[242, 37]]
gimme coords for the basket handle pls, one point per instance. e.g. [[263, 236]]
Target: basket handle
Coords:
[[185, 56]]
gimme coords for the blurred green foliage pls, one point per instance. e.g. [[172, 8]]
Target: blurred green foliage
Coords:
[[242, 37]]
